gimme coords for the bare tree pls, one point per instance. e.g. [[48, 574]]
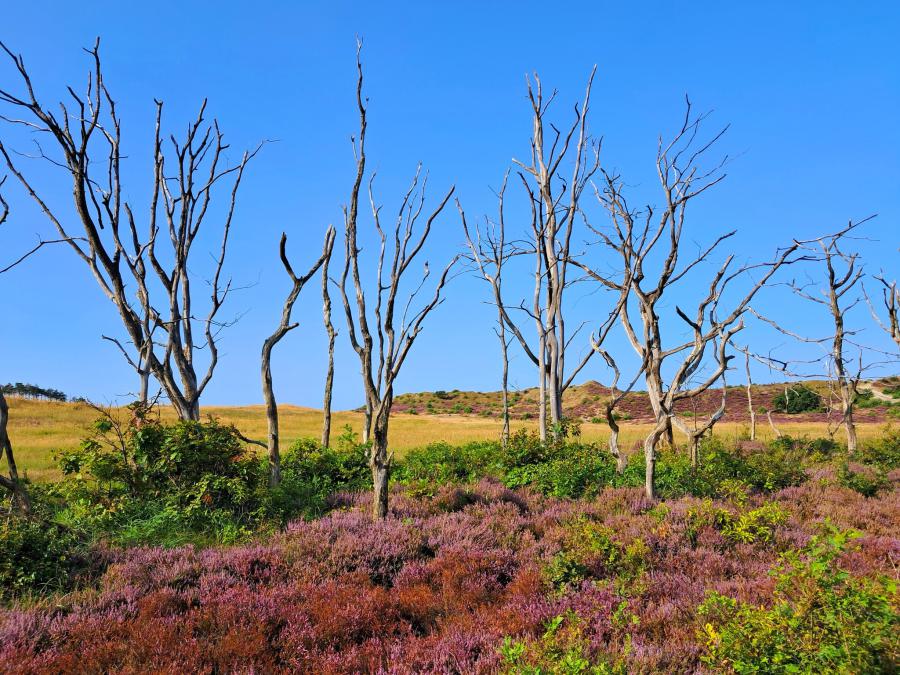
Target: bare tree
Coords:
[[488, 252], [613, 399], [749, 388], [284, 327], [697, 430], [332, 334], [382, 351], [118, 251], [890, 296], [843, 275], [13, 484], [561, 165], [640, 236]]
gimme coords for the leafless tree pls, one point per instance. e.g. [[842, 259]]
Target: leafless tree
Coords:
[[117, 249], [839, 292], [284, 327], [13, 484], [890, 297], [614, 398], [749, 388], [382, 349], [561, 165], [488, 251], [697, 430], [638, 237], [332, 334]]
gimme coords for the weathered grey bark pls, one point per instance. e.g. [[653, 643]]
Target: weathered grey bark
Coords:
[[775, 429], [750, 395], [554, 203], [837, 284], [488, 252], [696, 432], [890, 297], [116, 249], [504, 382], [395, 331], [329, 373], [636, 240], [285, 326]]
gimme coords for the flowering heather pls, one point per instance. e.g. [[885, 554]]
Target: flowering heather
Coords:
[[444, 583]]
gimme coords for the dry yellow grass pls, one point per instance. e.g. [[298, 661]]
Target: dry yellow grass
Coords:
[[38, 429]]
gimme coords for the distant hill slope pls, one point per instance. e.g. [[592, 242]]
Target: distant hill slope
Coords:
[[585, 402]]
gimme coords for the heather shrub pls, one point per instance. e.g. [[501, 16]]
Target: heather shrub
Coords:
[[823, 619], [566, 648]]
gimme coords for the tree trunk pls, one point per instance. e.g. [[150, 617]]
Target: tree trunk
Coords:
[[695, 450], [329, 376], [850, 428], [777, 431], [271, 415], [367, 423], [504, 433], [750, 397], [614, 449], [380, 464], [650, 444], [19, 495]]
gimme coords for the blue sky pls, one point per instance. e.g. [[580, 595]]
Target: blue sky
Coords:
[[811, 91]]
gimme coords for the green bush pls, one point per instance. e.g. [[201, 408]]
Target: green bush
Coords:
[[193, 482], [39, 557], [797, 399], [883, 451], [822, 620]]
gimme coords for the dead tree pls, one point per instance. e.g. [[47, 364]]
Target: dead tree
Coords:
[[890, 296], [697, 431], [842, 275], [638, 237], [151, 288], [749, 387], [612, 401], [284, 327], [383, 348], [561, 165], [13, 484], [332, 334], [488, 251]]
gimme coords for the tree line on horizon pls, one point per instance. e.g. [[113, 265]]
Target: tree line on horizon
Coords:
[[636, 258], [33, 391]]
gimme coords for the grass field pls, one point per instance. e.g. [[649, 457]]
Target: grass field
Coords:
[[39, 428]]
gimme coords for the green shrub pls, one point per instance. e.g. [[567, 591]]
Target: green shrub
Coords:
[[822, 620], [867, 484], [563, 649], [193, 482], [883, 451], [39, 557], [797, 399]]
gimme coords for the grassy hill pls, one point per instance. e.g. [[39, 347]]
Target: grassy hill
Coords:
[[39, 428], [585, 402]]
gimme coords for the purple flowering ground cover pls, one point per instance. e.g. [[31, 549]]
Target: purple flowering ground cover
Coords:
[[467, 580]]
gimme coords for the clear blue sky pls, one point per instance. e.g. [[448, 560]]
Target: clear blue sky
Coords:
[[812, 91]]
